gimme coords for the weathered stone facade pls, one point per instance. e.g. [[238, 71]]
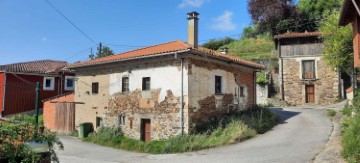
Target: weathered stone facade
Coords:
[[162, 103], [326, 83], [165, 116]]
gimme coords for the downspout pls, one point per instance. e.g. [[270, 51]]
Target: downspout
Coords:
[[4, 93], [282, 72], [182, 92], [182, 96]]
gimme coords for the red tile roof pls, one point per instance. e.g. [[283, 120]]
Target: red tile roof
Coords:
[[297, 34], [36, 67], [155, 50]]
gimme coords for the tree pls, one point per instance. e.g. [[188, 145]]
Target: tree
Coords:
[[103, 51], [315, 9], [338, 43], [267, 13], [216, 44]]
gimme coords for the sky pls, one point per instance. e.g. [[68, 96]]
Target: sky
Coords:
[[32, 30]]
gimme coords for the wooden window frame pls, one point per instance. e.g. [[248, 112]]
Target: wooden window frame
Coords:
[[125, 83]]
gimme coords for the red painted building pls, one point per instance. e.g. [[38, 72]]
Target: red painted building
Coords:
[[350, 14], [18, 84]]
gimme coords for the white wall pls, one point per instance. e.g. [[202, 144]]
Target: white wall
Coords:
[[166, 78]]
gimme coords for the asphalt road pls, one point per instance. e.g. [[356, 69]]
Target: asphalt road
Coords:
[[301, 134]]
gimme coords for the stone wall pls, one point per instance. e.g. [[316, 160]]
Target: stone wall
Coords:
[[165, 116], [204, 103], [326, 83], [262, 94]]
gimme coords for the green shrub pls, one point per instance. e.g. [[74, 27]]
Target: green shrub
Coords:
[[347, 110], [12, 142], [261, 78], [351, 139], [331, 113]]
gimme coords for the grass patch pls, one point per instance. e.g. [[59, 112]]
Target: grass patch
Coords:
[[231, 129], [351, 139], [330, 112]]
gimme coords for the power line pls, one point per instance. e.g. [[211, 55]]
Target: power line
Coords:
[[58, 11], [130, 46]]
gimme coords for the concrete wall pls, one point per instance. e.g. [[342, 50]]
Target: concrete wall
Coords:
[[262, 94], [326, 83]]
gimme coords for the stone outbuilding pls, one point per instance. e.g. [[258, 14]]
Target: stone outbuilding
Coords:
[[163, 90], [304, 77]]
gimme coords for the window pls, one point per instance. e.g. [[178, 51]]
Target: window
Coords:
[[125, 84], [308, 69], [95, 87], [218, 85], [146, 83], [69, 83], [99, 122], [121, 119], [49, 83], [242, 92]]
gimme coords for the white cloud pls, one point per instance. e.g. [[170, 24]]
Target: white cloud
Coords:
[[224, 22], [192, 3], [44, 39]]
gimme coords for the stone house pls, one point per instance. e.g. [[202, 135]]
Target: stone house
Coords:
[[304, 75], [163, 90]]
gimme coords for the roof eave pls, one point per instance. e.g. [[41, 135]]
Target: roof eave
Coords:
[[126, 59], [344, 9]]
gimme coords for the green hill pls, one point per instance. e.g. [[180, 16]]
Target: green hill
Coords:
[[252, 49]]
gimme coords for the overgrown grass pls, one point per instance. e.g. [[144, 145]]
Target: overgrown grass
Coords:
[[251, 48], [231, 129], [351, 132]]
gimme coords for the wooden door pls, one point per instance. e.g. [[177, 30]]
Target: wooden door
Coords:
[[310, 93], [145, 130]]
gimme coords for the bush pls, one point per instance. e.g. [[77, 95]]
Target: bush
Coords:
[[351, 139], [331, 113], [12, 142], [347, 110], [233, 128]]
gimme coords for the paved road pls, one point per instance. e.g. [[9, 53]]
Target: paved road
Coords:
[[301, 134]]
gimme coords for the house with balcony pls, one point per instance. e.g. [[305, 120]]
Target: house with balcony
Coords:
[[304, 77]]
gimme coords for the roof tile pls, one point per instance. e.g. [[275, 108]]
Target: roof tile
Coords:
[[37, 67], [168, 47], [297, 34]]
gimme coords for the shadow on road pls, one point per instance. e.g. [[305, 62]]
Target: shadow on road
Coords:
[[283, 114]]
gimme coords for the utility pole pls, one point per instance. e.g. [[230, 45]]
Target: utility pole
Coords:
[[100, 49], [91, 56], [37, 90]]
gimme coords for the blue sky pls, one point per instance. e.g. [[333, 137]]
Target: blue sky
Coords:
[[32, 30]]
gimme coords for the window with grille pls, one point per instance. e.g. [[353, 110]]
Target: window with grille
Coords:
[[95, 88], [125, 84]]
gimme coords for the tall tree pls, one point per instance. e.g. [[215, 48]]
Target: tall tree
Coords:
[[267, 13], [315, 9], [338, 43], [103, 51]]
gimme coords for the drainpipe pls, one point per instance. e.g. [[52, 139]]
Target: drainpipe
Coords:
[[282, 72], [4, 93], [182, 92]]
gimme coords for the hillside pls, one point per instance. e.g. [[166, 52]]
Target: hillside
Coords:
[[252, 49]]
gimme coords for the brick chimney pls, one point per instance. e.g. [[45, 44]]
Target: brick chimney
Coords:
[[193, 18]]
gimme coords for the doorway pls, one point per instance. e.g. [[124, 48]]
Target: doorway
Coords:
[[309, 93], [145, 130]]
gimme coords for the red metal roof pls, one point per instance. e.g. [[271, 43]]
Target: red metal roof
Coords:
[[169, 47], [37, 67], [297, 34]]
